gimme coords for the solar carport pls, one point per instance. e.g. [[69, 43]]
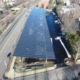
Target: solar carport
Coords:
[[35, 39]]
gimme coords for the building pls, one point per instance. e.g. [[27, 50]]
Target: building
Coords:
[[67, 9], [8, 1], [45, 2]]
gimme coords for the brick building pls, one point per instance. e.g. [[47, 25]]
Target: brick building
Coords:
[[45, 2]]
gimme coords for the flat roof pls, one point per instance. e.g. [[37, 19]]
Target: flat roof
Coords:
[[35, 39]]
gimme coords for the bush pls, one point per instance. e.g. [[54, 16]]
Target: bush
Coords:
[[14, 13], [23, 6]]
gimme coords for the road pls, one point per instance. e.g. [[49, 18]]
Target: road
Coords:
[[11, 41]]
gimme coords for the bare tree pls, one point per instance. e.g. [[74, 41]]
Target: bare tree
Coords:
[[18, 2], [9, 19], [69, 23], [76, 47]]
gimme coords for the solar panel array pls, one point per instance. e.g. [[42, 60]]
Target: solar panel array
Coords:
[[35, 39]]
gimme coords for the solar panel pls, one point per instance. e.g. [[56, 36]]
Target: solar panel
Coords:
[[35, 39]]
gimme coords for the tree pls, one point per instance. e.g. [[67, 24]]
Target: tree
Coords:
[[6, 6], [71, 40], [14, 5], [0, 31], [59, 2], [9, 6], [1, 12], [42, 5], [9, 19], [56, 8], [76, 47], [51, 1], [70, 24]]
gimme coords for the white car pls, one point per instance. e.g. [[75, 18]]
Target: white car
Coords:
[[56, 21], [53, 13]]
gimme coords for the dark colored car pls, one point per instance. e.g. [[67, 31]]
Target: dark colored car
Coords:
[[9, 55]]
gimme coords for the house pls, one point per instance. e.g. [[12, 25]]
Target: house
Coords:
[[8, 1], [67, 9]]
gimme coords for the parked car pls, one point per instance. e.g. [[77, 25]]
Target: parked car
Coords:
[[56, 22]]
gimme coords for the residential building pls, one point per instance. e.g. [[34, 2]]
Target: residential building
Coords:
[[8, 1], [67, 9]]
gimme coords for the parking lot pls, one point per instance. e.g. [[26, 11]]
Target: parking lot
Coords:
[[57, 47]]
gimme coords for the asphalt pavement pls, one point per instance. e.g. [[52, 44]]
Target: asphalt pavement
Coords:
[[59, 51], [63, 73]]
